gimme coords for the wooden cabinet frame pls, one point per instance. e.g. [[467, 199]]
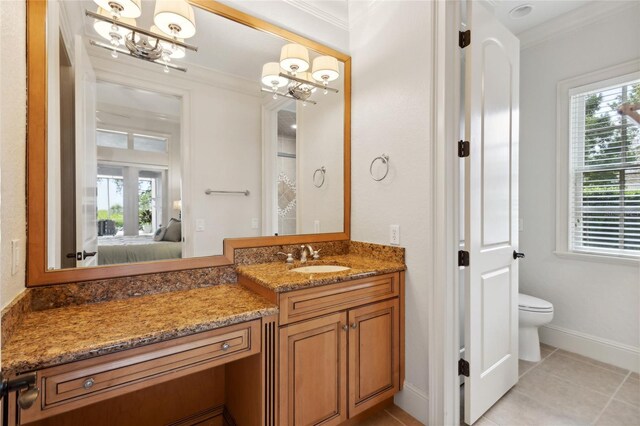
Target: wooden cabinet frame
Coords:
[[308, 312], [37, 271]]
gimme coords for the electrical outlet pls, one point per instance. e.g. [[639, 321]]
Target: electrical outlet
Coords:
[[394, 234], [255, 223], [15, 256], [199, 225], [316, 226]]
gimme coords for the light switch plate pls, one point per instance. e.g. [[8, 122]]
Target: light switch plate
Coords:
[[199, 225], [255, 223], [394, 234], [520, 225], [316, 226]]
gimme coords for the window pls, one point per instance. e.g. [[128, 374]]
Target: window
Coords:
[[128, 140], [111, 139], [149, 143], [604, 169]]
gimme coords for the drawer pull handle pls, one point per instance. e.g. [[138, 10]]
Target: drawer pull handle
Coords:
[[225, 346], [88, 384], [354, 325]]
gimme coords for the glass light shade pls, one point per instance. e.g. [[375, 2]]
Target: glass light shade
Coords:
[[325, 68], [177, 205], [127, 8], [271, 75], [175, 18], [177, 52], [294, 58], [104, 29]]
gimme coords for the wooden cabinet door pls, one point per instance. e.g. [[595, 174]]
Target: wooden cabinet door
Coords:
[[374, 359], [313, 372]]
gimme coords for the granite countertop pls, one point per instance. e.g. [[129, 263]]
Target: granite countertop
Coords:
[[277, 277], [61, 335]]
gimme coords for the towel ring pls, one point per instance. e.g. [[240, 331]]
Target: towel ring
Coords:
[[320, 170], [385, 160]]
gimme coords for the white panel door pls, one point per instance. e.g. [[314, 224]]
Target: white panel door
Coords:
[[86, 158], [491, 214]]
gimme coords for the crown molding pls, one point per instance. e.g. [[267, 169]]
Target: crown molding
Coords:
[[313, 9], [572, 20]]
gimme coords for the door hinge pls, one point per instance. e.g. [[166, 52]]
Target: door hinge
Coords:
[[464, 38], [463, 368], [464, 149], [463, 258]]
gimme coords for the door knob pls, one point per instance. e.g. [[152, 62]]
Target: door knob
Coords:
[[345, 327], [354, 325], [518, 255]]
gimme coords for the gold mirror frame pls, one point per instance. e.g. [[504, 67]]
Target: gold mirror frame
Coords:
[[37, 273]]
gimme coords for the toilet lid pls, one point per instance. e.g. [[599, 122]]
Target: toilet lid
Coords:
[[530, 303]]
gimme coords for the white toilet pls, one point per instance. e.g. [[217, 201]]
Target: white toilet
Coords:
[[533, 313]]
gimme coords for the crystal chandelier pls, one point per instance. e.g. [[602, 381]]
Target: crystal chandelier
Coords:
[[174, 22], [292, 73]]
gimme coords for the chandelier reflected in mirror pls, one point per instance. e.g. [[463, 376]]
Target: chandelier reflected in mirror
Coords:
[[292, 74], [115, 21]]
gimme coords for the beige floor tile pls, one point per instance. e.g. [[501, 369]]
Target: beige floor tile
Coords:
[[629, 392], [483, 421], [381, 418], [620, 414], [545, 350], [592, 361], [403, 416], [524, 366], [574, 402], [582, 373], [516, 408]]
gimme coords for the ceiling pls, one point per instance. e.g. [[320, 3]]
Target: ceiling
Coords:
[[542, 11]]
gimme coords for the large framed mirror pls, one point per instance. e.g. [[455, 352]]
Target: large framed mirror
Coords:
[[163, 134]]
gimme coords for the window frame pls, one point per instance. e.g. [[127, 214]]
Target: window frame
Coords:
[[615, 74]]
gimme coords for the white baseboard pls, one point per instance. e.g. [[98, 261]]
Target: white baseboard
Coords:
[[618, 354], [414, 401]]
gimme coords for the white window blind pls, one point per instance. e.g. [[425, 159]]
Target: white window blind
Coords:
[[604, 196]]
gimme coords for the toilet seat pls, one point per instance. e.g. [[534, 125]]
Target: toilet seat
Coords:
[[533, 304]]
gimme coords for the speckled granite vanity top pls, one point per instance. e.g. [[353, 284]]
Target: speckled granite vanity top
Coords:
[[71, 333], [278, 277]]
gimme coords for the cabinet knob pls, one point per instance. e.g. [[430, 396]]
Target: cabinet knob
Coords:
[[354, 325], [225, 346], [88, 384], [345, 327]]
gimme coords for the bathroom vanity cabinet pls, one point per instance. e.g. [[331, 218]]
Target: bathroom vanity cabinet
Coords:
[[340, 348]]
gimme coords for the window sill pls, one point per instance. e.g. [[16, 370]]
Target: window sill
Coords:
[[587, 257]]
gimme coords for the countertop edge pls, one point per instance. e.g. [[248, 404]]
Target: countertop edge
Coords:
[[140, 341], [285, 288]]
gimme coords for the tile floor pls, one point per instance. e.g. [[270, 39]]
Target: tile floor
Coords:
[[568, 389], [391, 416]]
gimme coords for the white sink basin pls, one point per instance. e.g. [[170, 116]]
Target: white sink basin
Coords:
[[319, 269]]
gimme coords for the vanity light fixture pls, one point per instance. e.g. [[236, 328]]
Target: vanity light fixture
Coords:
[[174, 22], [271, 77], [121, 8], [294, 58], [292, 72], [325, 69]]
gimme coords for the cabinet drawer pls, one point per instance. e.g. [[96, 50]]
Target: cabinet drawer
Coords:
[[95, 379], [308, 303]]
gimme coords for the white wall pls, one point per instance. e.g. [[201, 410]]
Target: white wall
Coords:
[[12, 145], [392, 67], [320, 144], [597, 299]]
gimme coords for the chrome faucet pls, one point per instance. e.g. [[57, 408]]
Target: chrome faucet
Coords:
[[303, 252]]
